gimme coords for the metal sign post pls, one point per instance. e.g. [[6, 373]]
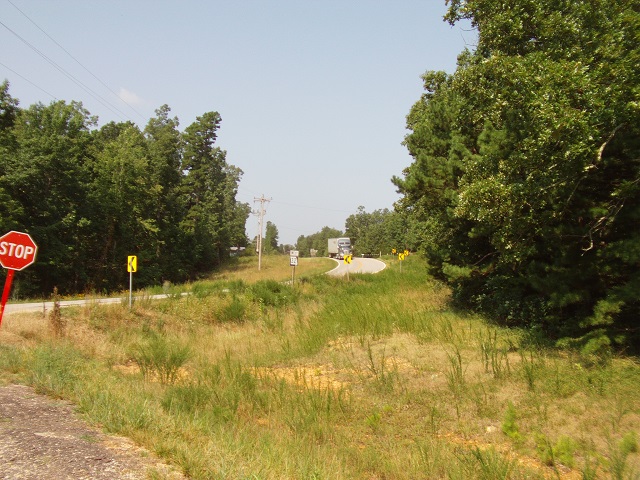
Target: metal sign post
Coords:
[[347, 261], [132, 266], [402, 256], [293, 261]]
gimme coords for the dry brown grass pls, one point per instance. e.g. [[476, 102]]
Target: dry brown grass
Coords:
[[400, 387], [273, 267]]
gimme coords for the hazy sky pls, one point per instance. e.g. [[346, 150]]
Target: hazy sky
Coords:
[[313, 94]]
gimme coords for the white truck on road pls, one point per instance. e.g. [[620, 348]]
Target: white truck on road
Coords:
[[339, 247]]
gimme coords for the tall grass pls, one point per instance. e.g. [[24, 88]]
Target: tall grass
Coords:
[[375, 377], [159, 357]]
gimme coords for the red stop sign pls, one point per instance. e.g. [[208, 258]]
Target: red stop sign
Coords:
[[17, 250]]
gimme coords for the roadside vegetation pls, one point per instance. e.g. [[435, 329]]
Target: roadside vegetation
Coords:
[[252, 377], [524, 191]]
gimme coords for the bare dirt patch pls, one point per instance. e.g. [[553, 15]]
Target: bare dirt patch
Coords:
[[44, 438]]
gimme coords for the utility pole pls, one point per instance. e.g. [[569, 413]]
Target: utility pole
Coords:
[[260, 214]]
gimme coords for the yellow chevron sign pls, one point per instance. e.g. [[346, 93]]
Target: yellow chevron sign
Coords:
[[132, 264]]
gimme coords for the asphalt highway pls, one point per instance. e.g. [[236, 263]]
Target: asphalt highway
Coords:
[[357, 265]]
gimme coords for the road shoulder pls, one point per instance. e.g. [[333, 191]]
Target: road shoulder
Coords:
[[41, 437]]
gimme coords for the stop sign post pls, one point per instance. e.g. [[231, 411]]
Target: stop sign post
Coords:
[[17, 251]]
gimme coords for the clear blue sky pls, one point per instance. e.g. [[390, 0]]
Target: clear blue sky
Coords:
[[313, 94]]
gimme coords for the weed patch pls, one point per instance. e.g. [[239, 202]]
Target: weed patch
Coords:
[[250, 377], [270, 293], [235, 311], [160, 358]]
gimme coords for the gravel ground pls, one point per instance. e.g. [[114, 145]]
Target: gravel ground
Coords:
[[43, 438]]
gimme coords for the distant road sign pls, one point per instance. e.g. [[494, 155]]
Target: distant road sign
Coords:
[[294, 253], [17, 250], [293, 261]]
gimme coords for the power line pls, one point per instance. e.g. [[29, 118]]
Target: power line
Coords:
[[315, 208], [95, 95], [77, 61], [88, 90], [28, 81], [290, 204]]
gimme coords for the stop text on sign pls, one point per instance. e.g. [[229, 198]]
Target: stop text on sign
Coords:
[[16, 250]]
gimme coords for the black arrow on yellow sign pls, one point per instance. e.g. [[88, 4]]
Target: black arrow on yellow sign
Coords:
[[132, 264]]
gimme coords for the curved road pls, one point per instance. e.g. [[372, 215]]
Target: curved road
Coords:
[[358, 265]]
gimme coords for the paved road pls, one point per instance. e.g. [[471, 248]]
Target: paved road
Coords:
[[47, 306], [358, 265]]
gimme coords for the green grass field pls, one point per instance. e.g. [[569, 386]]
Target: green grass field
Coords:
[[251, 377]]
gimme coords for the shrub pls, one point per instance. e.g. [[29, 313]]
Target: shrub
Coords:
[[234, 311], [509, 426], [272, 294], [562, 452], [160, 358], [54, 370]]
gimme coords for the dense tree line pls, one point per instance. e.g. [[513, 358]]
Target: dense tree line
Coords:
[[317, 243], [380, 232], [91, 196], [375, 233], [525, 181]]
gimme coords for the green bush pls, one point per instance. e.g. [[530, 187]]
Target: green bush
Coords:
[[234, 311], [487, 465], [55, 369], [509, 425], [562, 452], [629, 443], [11, 359], [160, 357], [187, 399], [272, 294]]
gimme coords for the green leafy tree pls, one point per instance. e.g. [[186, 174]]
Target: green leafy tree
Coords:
[[45, 177], [524, 184], [318, 242], [367, 231], [165, 148], [271, 238], [8, 113], [123, 200], [236, 213], [208, 188], [91, 197], [378, 232], [430, 185], [203, 164], [9, 208], [303, 245]]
